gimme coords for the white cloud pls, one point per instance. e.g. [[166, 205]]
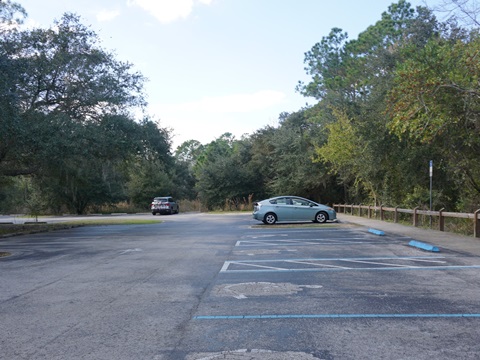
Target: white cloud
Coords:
[[167, 11], [107, 15]]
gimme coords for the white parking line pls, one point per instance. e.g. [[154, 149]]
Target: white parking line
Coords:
[[379, 263], [432, 261], [228, 263], [316, 264], [382, 263], [292, 242]]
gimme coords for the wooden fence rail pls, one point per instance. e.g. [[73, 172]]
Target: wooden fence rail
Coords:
[[441, 214]]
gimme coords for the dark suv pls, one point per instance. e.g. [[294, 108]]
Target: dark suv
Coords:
[[164, 205]]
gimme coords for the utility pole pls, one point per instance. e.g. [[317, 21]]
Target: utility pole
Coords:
[[431, 183]]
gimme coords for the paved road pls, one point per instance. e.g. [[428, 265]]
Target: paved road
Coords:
[[222, 287]]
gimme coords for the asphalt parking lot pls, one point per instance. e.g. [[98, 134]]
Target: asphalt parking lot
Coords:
[[224, 287]]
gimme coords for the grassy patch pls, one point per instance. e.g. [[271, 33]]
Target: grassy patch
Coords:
[[83, 222], [22, 229]]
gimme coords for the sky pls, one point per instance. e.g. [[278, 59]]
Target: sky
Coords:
[[215, 66]]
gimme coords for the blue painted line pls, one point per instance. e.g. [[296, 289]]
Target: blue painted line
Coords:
[[423, 246], [335, 316], [376, 232]]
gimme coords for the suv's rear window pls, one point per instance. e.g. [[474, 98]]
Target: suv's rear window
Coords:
[[159, 199]]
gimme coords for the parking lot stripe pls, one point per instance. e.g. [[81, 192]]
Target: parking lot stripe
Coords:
[[378, 263], [296, 242], [342, 264], [426, 258], [432, 261], [323, 264], [453, 267], [253, 265], [314, 264]]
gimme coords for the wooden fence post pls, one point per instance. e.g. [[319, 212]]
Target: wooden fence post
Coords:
[[441, 220], [381, 213], [369, 211], [476, 224], [395, 217], [415, 216]]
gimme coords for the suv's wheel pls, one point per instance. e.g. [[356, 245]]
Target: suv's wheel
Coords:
[[321, 217], [270, 219], [154, 213]]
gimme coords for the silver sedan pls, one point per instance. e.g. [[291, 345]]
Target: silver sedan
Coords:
[[291, 208]]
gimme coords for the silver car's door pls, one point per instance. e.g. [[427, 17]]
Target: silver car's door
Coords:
[[303, 210], [284, 209]]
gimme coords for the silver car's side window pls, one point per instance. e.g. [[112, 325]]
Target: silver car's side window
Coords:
[[284, 201]]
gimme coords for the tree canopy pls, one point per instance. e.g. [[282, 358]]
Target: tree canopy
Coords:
[[67, 118]]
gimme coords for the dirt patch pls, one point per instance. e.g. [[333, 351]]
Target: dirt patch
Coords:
[[3, 254]]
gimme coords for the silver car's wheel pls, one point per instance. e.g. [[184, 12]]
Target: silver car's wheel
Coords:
[[270, 219], [321, 217]]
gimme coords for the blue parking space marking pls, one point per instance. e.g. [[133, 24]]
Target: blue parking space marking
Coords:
[[343, 264], [424, 246], [333, 316], [377, 232]]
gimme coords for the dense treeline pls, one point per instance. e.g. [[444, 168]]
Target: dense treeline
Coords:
[[405, 92], [68, 137]]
